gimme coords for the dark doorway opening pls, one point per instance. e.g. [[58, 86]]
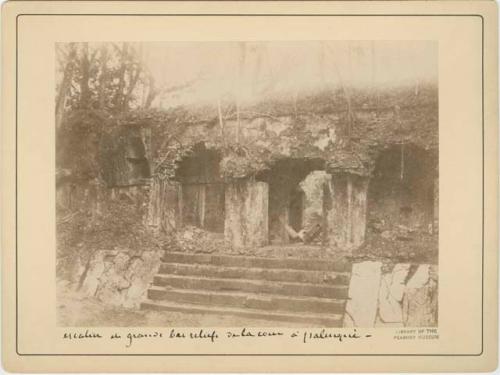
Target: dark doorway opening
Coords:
[[287, 199], [296, 208], [402, 191], [202, 198]]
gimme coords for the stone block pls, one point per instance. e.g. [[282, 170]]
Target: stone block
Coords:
[[121, 278], [361, 307], [391, 294], [420, 302], [246, 221], [347, 214]]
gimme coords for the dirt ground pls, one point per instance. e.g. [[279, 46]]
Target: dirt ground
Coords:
[[74, 310]]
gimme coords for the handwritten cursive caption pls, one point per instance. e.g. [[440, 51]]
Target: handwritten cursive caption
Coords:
[[216, 335]]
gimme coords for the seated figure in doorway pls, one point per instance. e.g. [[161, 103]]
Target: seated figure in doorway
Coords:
[[309, 233]]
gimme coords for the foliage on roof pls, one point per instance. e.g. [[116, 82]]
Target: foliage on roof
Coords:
[[347, 129]]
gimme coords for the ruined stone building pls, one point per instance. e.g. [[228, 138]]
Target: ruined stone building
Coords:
[[321, 209], [244, 175]]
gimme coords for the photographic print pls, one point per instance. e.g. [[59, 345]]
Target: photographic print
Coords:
[[248, 183], [286, 186]]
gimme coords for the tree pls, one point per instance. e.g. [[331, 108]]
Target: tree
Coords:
[[109, 77], [98, 83], [66, 61]]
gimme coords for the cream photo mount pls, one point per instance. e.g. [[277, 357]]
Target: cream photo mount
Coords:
[[29, 101]]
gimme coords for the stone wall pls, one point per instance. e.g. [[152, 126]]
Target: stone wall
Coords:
[[119, 277], [400, 295]]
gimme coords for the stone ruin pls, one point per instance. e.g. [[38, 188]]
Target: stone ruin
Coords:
[[248, 177], [296, 183]]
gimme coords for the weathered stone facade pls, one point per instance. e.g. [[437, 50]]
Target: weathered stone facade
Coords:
[[199, 155], [277, 150], [404, 296]]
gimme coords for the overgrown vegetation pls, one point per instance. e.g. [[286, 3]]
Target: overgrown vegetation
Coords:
[[98, 86], [103, 87]]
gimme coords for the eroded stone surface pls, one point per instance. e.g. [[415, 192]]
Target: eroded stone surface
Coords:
[[361, 308], [391, 294], [420, 278], [121, 278], [420, 303], [407, 296], [246, 220]]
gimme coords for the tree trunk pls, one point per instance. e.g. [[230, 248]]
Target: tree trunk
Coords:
[[152, 92], [65, 86], [84, 82], [241, 67], [103, 77], [121, 84], [131, 87]]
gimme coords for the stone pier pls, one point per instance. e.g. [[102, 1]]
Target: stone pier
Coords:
[[246, 213], [346, 215], [165, 205]]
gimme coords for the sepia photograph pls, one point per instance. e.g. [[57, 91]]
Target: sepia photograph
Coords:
[[225, 186], [250, 183]]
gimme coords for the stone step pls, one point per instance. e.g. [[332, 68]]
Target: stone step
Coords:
[[308, 264], [309, 320], [269, 274], [248, 300], [252, 286], [295, 250]]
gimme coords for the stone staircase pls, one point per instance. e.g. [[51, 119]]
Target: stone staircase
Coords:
[[310, 291]]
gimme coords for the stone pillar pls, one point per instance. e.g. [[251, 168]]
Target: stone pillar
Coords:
[[171, 206], [246, 213], [362, 304], [165, 205], [347, 213]]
